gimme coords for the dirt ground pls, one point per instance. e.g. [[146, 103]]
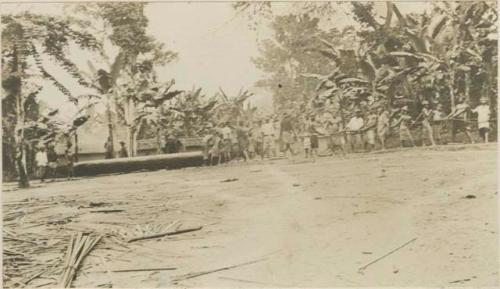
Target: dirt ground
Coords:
[[307, 224]]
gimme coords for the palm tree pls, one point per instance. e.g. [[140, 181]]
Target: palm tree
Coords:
[[22, 37]]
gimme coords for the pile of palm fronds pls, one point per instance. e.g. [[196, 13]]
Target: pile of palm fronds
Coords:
[[79, 247]]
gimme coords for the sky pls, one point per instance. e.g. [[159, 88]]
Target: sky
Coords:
[[214, 43]]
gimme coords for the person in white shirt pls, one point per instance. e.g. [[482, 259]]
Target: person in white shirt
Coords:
[[227, 135], [269, 135], [42, 163], [354, 130], [483, 118]]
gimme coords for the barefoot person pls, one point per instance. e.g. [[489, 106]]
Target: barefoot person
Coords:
[[257, 139], [108, 147], [369, 128], [122, 153], [337, 140], [426, 115], [287, 133], [383, 124], [243, 139], [52, 158], [437, 123], [354, 136], [42, 163], [227, 135], [459, 120], [268, 136], [483, 118], [313, 133], [404, 128], [69, 159]]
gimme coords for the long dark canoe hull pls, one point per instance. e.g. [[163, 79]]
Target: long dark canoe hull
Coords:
[[149, 163]]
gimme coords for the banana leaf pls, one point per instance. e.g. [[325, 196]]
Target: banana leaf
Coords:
[[439, 27]]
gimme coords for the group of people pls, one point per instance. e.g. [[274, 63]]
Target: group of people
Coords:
[[366, 130], [248, 140], [47, 161], [110, 152]]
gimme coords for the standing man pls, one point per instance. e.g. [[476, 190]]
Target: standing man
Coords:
[[227, 134], [122, 153], [207, 145], [70, 160], [459, 120], [483, 118], [369, 127], [108, 146], [404, 128], [426, 115], [313, 133], [257, 139], [268, 138], [52, 158], [354, 130], [42, 163], [243, 139], [437, 123], [336, 131], [383, 124], [287, 133]]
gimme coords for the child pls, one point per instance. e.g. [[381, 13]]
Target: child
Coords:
[[483, 118], [404, 128]]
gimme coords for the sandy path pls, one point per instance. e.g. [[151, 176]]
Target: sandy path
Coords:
[[317, 223]]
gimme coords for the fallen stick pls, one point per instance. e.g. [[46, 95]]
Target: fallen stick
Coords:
[[29, 279], [197, 274], [136, 270], [108, 211], [164, 234], [20, 240], [383, 256], [254, 282]]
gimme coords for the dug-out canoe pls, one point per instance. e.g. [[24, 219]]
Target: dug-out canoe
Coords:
[[133, 164]]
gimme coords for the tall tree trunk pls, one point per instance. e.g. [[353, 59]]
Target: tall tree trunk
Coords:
[[131, 129], [19, 129], [76, 147], [467, 86], [131, 142], [110, 125], [159, 130], [158, 140]]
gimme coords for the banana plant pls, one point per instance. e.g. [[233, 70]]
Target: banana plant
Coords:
[[151, 108], [26, 38], [232, 108], [193, 110]]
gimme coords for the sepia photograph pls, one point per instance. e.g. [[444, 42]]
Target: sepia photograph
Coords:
[[232, 144]]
